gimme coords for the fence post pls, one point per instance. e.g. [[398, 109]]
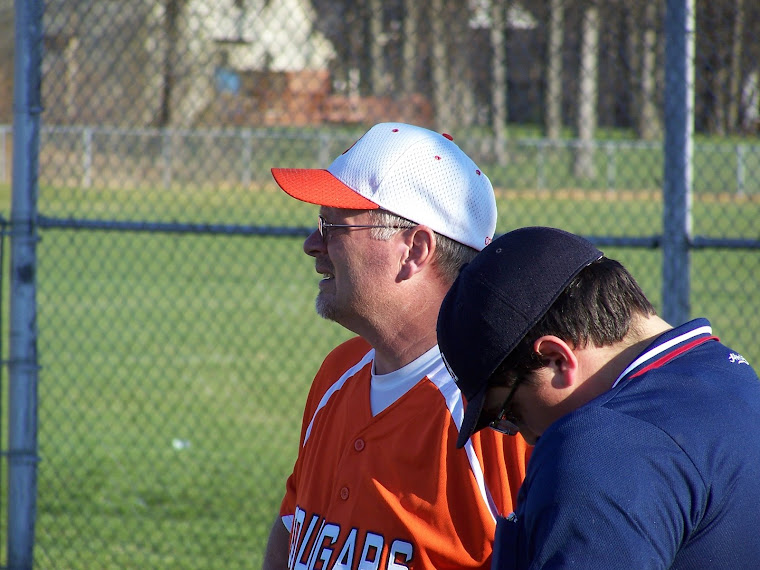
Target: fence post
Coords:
[[87, 157], [679, 150], [611, 149], [3, 154], [166, 154], [247, 151], [541, 148], [22, 364], [324, 148], [740, 169]]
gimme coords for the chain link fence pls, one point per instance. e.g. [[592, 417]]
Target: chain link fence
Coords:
[[176, 331]]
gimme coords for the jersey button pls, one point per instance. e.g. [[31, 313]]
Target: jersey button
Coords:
[[359, 444], [344, 493]]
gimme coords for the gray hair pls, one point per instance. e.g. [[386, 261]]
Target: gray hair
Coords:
[[450, 255]]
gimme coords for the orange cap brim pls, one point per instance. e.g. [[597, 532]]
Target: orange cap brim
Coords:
[[319, 186]]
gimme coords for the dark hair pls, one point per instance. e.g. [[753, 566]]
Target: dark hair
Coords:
[[596, 307]]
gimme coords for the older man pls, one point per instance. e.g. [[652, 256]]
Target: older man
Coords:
[[379, 482]]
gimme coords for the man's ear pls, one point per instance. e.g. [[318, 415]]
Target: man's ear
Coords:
[[419, 243], [559, 357]]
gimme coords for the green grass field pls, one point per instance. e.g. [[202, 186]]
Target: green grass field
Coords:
[[175, 367]]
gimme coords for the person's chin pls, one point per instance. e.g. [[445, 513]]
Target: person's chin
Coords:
[[324, 308]]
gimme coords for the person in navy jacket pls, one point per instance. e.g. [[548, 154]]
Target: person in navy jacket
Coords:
[[647, 436]]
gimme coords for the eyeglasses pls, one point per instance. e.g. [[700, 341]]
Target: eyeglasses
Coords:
[[324, 226], [506, 422]]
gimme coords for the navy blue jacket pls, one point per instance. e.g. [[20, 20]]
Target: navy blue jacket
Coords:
[[661, 471]]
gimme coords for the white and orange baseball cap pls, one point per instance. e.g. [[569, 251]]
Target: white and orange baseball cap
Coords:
[[407, 170]]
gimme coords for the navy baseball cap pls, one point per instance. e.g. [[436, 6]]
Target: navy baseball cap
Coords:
[[497, 299]]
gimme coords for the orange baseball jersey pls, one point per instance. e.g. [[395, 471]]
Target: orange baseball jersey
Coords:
[[392, 491]]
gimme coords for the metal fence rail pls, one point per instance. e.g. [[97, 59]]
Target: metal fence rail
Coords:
[[97, 155]]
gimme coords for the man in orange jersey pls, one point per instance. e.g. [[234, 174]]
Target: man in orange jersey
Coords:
[[379, 482]]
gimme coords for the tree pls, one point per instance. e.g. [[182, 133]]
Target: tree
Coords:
[[736, 66], [376, 48], [718, 72], [461, 75], [172, 12], [554, 48], [648, 125], [499, 82], [588, 89], [442, 101], [410, 46]]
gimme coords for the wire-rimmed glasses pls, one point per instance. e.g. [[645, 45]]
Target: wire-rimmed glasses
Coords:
[[324, 226]]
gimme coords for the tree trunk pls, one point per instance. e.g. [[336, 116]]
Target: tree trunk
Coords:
[[736, 67], [376, 48], [632, 52], [717, 79], [588, 92], [499, 84], [444, 116], [553, 95], [71, 57], [648, 124], [171, 34], [462, 84], [411, 41]]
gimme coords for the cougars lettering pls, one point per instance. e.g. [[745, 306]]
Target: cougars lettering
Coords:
[[320, 544], [390, 490]]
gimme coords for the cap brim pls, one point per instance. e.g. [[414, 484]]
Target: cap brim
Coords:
[[319, 186], [470, 423]]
